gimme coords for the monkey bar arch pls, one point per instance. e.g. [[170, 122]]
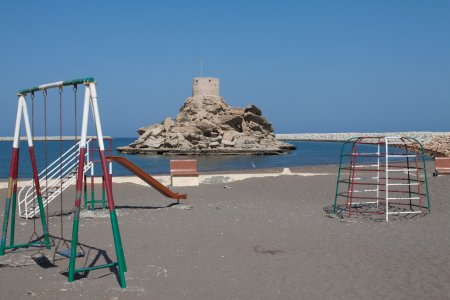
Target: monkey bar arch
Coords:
[[382, 175]]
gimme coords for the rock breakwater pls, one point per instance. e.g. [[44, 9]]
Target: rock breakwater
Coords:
[[436, 143]]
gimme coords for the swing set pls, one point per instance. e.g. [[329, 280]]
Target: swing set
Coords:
[[71, 167]]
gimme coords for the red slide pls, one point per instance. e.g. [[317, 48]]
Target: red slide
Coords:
[[147, 178]]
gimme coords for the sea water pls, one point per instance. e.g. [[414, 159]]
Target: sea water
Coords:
[[306, 154]]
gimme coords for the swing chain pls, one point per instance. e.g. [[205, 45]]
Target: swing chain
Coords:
[[60, 162], [34, 190], [44, 93], [62, 241], [32, 114]]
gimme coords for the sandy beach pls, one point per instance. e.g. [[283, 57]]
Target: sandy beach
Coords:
[[256, 238]]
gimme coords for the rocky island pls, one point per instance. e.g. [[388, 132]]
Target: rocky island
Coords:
[[206, 124]]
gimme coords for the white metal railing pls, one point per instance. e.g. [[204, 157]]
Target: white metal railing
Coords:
[[53, 180], [389, 142]]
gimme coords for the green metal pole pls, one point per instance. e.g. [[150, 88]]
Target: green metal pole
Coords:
[[119, 248], [76, 214], [44, 222], [85, 193], [122, 267], [39, 197], [5, 225], [125, 268], [73, 246], [13, 215], [12, 181], [14, 202], [114, 264], [92, 193]]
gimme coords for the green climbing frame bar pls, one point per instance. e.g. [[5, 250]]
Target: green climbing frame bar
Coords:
[[350, 140]]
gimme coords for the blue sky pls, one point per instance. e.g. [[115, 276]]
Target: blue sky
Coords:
[[311, 66]]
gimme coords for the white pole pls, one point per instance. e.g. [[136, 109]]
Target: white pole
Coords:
[[87, 151], [378, 173], [85, 118], [387, 177], [88, 157], [18, 119], [96, 117], [51, 85], [27, 123]]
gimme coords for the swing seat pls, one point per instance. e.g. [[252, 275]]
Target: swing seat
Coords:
[[66, 253]]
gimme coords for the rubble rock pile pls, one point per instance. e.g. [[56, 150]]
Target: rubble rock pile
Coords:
[[438, 145], [206, 124]]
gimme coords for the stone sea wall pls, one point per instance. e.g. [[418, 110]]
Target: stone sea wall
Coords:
[[436, 143]]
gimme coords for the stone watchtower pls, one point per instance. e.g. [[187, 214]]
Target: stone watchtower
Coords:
[[206, 124], [208, 86]]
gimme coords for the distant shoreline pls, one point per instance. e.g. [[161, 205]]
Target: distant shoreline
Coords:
[[421, 136], [51, 138]]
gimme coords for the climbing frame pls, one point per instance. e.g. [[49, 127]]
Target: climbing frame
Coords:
[[382, 176]]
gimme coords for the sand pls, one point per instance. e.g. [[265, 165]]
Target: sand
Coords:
[[257, 238]]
